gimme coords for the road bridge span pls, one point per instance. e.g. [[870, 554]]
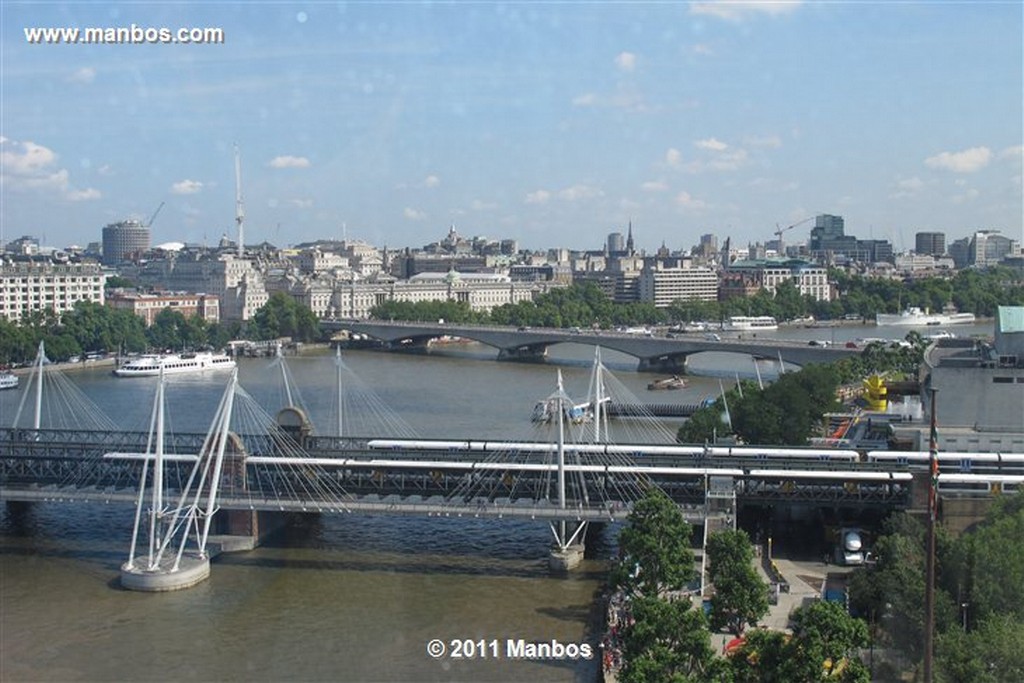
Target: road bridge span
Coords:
[[656, 354]]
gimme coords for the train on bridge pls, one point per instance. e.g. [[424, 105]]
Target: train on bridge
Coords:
[[966, 472]]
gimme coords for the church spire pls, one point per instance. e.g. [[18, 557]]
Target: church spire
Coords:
[[629, 239]]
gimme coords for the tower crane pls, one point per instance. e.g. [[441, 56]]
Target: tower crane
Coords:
[[153, 217], [779, 231]]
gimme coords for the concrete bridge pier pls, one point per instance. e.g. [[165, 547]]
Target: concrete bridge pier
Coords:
[[567, 553], [525, 354], [674, 364]]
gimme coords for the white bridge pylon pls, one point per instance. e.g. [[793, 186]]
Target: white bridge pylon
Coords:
[[169, 563]]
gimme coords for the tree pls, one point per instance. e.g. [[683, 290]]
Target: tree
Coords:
[[992, 653], [654, 548], [282, 316], [823, 645], [740, 597], [668, 641], [986, 567]]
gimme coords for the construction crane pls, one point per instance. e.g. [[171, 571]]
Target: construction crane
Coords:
[[779, 231], [153, 217]]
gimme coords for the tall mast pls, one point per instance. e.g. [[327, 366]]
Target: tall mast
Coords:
[[239, 209]]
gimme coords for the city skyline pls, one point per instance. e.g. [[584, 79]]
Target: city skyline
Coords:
[[552, 124]]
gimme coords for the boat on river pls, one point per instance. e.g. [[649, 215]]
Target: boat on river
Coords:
[[750, 323], [670, 383], [8, 380], [914, 316], [174, 364]]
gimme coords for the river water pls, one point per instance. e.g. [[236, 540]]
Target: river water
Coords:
[[338, 597]]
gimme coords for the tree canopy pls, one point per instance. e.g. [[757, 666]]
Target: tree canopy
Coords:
[[740, 597], [654, 548]]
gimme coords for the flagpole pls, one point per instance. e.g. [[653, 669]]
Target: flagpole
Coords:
[[933, 513]]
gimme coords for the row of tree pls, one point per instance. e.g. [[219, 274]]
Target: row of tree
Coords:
[[979, 595], [667, 636], [90, 327], [585, 305], [790, 410]]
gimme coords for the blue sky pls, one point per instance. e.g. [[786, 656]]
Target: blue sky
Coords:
[[551, 123]]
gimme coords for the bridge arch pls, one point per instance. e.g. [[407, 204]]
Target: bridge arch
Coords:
[[656, 354]]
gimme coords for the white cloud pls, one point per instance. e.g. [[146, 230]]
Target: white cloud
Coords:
[[83, 76], [538, 197], [687, 201], [1016, 152], [413, 214], [967, 161], [739, 10], [578, 192], [83, 195], [186, 187], [625, 61], [29, 160], [702, 49], [712, 144], [431, 181], [28, 166], [586, 100], [673, 157], [301, 203], [732, 160], [654, 186], [481, 205], [288, 161], [907, 187]]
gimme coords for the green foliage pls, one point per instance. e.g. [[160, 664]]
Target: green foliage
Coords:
[[427, 311], [740, 597], [654, 547], [282, 316], [992, 653], [785, 412], [172, 330], [823, 645], [979, 584], [668, 641], [118, 282], [988, 565]]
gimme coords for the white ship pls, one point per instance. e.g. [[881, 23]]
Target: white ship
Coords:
[[752, 323], [916, 317], [174, 364], [8, 380]]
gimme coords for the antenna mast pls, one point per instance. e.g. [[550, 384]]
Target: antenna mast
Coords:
[[239, 209]]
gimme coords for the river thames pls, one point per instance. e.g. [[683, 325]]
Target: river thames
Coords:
[[337, 597]]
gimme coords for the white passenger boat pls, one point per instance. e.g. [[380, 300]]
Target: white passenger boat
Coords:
[[174, 364], [916, 317], [8, 380], [750, 323]]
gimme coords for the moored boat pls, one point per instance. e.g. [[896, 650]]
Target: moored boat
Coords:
[[673, 382], [914, 316], [8, 380], [174, 364], [752, 323]]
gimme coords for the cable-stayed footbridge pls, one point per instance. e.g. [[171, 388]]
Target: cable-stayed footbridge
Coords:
[[188, 487]]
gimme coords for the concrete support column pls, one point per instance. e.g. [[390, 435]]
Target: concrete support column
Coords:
[[524, 354]]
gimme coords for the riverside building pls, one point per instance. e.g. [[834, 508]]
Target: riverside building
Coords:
[[41, 286]]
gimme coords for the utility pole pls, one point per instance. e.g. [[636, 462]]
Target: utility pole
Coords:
[[933, 510], [239, 210]]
